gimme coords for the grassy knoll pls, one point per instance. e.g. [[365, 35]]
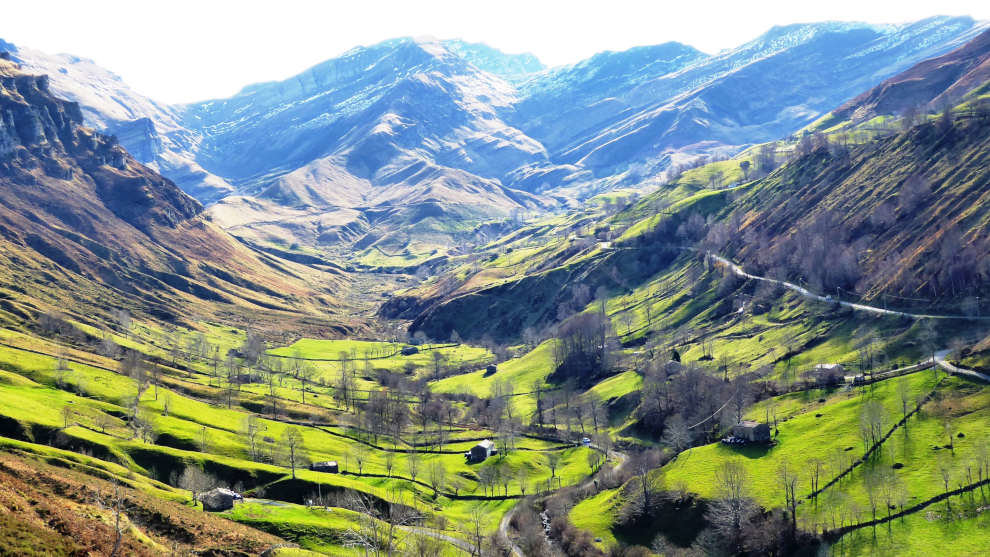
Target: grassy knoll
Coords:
[[193, 427], [816, 431], [963, 532], [371, 355], [920, 452], [597, 514], [313, 529], [617, 385], [521, 373]]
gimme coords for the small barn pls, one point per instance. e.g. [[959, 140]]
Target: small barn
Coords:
[[490, 369], [751, 432], [409, 350], [328, 466], [218, 499], [832, 369], [481, 451]]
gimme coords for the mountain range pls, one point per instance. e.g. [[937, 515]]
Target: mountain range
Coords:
[[873, 202], [413, 140], [79, 215]]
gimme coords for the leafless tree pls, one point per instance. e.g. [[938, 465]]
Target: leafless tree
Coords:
[[677, 434], [729, 511], [103, 421], [438, 476], [292, 448], [195, 481], [252, 429], [413, 460], [389, 462], [872, 421], [380, 531], [123, 319], [360, 454], [904, 394], [788, 478]]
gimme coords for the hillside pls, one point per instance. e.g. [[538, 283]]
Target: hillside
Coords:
[[640, 110], [391, 155], [929, 85], [443, 300], [898, 218], [80, 215], [149, 130]]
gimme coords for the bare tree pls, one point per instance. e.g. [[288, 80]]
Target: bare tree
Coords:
[[380, 528], [103, 421], [360, 454], [677, 435], [904, 394], [788, 481], [553, 461], [943, 465], [729, 511], [204, 439], [67, 414], [305, 374], [292, 448], [195, 481], [872, 422], [438, 475], [252, 428], [413, 460], [389, 462]]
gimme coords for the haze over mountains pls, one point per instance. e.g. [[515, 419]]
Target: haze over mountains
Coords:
[[414, 134]]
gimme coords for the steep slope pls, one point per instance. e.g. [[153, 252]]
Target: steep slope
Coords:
[[85, 227], [149, 130], [930, 84], [396, 133], [513, 68], [898, 219], [563, 105], [405, 146], [375, 112], [762, 90], [904, 215]]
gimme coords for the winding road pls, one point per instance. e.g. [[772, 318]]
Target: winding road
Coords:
[[955, 370], [939, 357], [828, 299]]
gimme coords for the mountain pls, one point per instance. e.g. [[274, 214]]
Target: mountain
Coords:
[[402, 131], [513, 68], [887, 215], [760, 91], [149, 130], [79, 215], [930, 84], [401, 148]]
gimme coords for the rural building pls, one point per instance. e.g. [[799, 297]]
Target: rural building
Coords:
[[673, 367], [409, 350], [832, 369], [329, 466], [219, 499], [481, 451], [751, 432], [490, 369]]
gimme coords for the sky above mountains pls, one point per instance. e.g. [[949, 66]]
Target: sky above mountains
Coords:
[[188, 50]]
